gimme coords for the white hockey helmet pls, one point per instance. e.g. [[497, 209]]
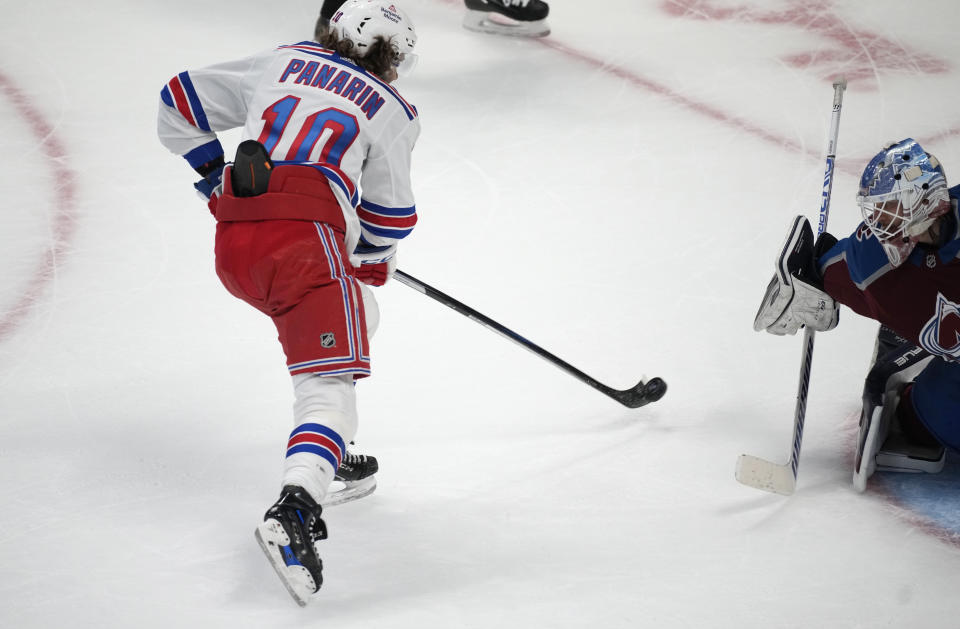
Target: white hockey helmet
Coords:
[[903, 190], [363, 21]]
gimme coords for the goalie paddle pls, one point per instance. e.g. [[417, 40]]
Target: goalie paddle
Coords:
[[752, 470], [636, 396]]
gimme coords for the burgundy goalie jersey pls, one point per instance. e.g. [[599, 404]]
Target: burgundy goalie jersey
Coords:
[[920, 299]]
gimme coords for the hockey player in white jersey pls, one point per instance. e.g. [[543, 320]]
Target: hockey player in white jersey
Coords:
[[309, 213]]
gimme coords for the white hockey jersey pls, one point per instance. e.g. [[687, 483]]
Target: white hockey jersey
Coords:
[[306, 104]]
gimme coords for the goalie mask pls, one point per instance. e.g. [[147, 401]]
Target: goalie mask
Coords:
[[363, 21], [903, 190]]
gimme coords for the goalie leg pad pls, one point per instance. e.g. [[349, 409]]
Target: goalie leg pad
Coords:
[[881, 443], [872, 433]]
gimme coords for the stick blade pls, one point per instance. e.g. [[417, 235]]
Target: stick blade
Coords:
[[641, 394], [762, 474]]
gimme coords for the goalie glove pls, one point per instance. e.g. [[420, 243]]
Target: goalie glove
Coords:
[[794, 297]]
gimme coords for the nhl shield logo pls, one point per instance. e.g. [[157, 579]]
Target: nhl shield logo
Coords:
[[328, 340]]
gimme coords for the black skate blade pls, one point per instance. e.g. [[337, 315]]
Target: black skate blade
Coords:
[[250, 175]]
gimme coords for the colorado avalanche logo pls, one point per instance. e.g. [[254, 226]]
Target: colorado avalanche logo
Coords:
[[941, 334]]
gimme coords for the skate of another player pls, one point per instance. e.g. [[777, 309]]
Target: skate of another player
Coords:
[[517, 18]]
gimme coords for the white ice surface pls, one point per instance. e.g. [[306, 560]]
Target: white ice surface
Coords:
[[616, 193]]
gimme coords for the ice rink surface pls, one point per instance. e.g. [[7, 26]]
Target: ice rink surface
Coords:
[[615, 192]]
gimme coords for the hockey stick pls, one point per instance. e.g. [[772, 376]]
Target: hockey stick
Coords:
[[640, 394], [757, 472]]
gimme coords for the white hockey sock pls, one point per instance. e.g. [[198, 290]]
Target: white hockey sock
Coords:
[[325, 417], [314, 451], [310, 472]]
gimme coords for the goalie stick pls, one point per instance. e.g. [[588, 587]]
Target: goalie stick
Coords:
[[639, 395], [752, 470]]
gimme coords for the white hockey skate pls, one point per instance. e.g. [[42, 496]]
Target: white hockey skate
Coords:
[[518, 18]]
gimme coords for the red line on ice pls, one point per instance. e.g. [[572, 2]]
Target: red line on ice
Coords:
[[844, 49], [64, 185], [846, 38], [695, 106], [703, 109]]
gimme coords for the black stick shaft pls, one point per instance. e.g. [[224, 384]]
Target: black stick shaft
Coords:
[[505, 332]]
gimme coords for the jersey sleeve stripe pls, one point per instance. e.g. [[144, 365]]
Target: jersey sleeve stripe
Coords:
[[383, 210], [180, 100], [195, 104], [167, 97], [180, 93], [396, 234], [204, 153], [378, 226]]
